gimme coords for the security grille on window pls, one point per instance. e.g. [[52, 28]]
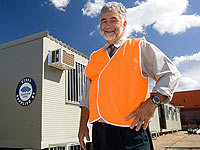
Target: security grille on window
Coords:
[[68, 146], [76, 82], [74, 147]]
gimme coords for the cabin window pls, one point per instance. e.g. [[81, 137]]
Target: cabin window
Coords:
[[55, 56], [76, 82], [167, 112], [176, 117], [172, 114]]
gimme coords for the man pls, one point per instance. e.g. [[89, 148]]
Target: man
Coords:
[[116, 98]]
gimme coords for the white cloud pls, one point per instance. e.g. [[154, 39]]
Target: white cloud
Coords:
[[93, 8], [187, 84], [60, 4], [45, 3], [189, 67], [91, 33], [194, 57], [165, 16], [137, 2]]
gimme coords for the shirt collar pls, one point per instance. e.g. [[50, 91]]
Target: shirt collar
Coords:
[[118, 43]]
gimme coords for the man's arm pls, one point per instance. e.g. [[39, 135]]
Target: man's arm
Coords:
[[159, 67], [156, 65], [83, 128], [144, 113], [84, 104]]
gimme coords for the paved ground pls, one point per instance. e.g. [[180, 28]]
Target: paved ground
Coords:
[[178, 141]]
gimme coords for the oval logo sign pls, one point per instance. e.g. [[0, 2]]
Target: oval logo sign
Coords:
[[26, 91]]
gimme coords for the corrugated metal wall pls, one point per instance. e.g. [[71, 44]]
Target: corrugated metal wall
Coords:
[[190, 118], [188, 99], [190, 110]]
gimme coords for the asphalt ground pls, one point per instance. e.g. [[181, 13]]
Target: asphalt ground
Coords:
[[178, 141]]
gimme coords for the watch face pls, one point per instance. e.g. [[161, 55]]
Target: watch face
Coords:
[[156, 99]]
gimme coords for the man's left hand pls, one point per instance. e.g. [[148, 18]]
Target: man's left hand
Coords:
[[142, 115]]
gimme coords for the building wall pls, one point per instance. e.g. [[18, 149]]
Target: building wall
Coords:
[[190, 118], [163, 123], [189, 103], [173, 121], [20, 125], [60, 121], [188, 99], [155, 123]]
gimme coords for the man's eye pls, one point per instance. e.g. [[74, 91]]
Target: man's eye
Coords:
[[113, 20]]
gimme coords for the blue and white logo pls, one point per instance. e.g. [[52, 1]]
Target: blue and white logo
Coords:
[[26, 91]]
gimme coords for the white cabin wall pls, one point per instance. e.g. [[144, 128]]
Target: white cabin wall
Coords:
[[60, 121], [155, 123]]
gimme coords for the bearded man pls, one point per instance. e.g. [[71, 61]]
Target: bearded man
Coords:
[[116, 97]]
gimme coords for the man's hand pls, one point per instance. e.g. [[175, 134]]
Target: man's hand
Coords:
[[142, 115], [83, 132], [83, 128]]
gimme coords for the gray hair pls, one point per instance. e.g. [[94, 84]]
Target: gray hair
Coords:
[[115, 6]]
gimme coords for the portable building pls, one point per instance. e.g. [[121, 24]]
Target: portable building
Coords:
[[166, 119], [41, 84]]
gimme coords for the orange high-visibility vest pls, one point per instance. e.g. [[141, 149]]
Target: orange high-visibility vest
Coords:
[[118, 86]]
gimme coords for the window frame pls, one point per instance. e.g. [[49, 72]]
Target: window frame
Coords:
[[75, 81]]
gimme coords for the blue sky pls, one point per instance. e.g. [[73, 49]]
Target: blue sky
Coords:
[[172, 25]]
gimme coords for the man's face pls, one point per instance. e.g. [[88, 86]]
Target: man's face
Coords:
[[111, 26]]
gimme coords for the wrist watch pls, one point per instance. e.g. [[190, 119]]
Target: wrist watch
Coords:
[[155, 99]]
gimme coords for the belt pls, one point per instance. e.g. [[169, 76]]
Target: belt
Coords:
[[101, 123]]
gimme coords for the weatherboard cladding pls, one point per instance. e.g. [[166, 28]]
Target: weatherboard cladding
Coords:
[[47, 119], [20, 125], [67, 46], [60, 121], [155, 124]]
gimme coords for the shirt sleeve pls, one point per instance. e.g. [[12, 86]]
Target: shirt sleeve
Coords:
[[85, 98], [156, 65]]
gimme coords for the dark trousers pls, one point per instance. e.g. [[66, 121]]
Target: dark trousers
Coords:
[[109, 137]]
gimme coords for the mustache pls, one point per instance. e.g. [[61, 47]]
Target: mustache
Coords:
[[109, 30]]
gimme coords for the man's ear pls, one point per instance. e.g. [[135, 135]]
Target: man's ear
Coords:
[[125, 23]]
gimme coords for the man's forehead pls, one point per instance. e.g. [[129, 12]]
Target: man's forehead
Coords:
[[110, 14]]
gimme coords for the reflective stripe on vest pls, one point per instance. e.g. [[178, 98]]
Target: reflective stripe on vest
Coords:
[[117, 85]]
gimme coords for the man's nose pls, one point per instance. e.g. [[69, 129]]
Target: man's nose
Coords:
[[108, 24]]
